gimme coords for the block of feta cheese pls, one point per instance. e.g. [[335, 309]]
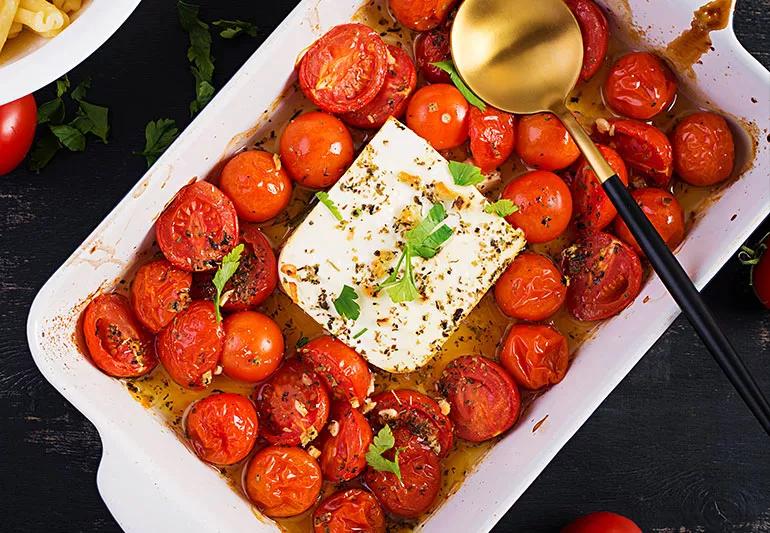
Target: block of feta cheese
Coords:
[[388, 190]]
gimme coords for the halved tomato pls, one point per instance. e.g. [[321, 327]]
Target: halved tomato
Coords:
[[345, 443], [253, 347], [433, 47], [532, 288], [349, 511], [642, 147], [544, 202], [594, 210], [421, 15], [665, 213], [595, 30], [343, 371], [493, 137], [222, 428], [639, 85], [158, 292], [704, 150], [535, 355]]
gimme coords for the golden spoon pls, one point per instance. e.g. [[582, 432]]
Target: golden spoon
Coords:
[[525, 56]]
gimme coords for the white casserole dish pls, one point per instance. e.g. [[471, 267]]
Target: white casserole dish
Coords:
[[149, 480]]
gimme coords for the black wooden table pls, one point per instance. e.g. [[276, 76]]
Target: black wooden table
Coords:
[[673, 447]]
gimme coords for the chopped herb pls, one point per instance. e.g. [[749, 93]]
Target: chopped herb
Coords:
[[465, 173], [45, 148], [346, 304], [158, 135], [449, 68], [70, 137], [381, 443], [323, 197], [360, 333], [199, 54], [62, 86], [501, 208], [232, 28], [301, 342], [229, 265]]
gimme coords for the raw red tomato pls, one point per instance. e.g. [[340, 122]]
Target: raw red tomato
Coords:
[[349, 511], [439, 114], [346, 441], [18, 120], [639, 86], [293, 405], [484, 399], [543, 142], [544, 202], [642, 147], [197, 229], [190, 346], [391, 101], [259, 188], [341, 369], [602, 522], [605, 276], [420, 415], [532, 288], [222, 428], [253, 347], [433, 47], [420, 478], [665, 213], [759, 259], [116, 341], [283, 481], [595, 30], [345, 69], [704, 150], [158, 292], [593, 208], [421, 15], [492, 135], [535, 355]]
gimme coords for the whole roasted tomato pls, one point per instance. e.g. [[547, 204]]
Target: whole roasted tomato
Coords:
[[535, 355], [349, 511], [532, 288], [595, 30], [639, 86], [257, 185], [593, 208], [704, 150], [222, 428], [345, 443], [641, 146], [344, 372], [544, 202], [439, 114], [492, 136], [663, 210], [421, 15], [543, 142], [433, 47]]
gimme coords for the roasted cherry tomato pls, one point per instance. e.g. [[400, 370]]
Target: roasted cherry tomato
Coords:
[[439, 114], [595, 30], [253, 347], [349, 511], [345, 443], [639, 85], [293, 405], [544, 202], [116, 341], [535, 355], [493, 137], [420, 477], [543, 142], [345, 69], [759, 259], [704, 150], [432, 47], [531, 288], [18, 120], [665, 213], [222, 428], [605, 276], [642, 147], [159, 291], [191, 345], [417, 413], [421, 15], [197, 229], [593, 208], [484, 399], [342, 370], [282, 481], [259, 188], [602, 522], [392, 99], [316, 149]]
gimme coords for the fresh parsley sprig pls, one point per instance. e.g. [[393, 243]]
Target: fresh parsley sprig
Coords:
[[501, 208], [158, 135], [382, 442], [449, 68], [199, 54], [346, 304], [323, 197], [232, 28], [465, 174], [229, 265]]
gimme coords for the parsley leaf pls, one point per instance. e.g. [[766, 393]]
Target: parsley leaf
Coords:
[[501, 208], [449, 68], [323, 197], [93, 119], [70, 137], [51, 112], [45, 148], [79, 92], [465, 173], [229, 265], [62, 86], [301, 342], [199, 54], [346, 304], [233, 28], [158, 135], [381, 443]]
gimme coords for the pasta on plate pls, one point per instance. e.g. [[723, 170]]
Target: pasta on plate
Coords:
[[46, 18]]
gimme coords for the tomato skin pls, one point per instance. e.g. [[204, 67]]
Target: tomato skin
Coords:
[[493, 137], [642, 147], [282, 481], [605, 276], [257, 185], [198, 228], [277, 400], [595, 29], [639, 85], [663, 210], [340, 368], [190, 346], [158, 292], [432, 47], [343, 454], [602, 522], [544, 143], [18, 121], [391, 101], [116, 342], [532, 288], [545, 205], [349, 511], [594, 210], [253, 347], [222, 428], [344, 69], [439, 114], [704, 150], [535, 355], [760, 277], [421, 15]]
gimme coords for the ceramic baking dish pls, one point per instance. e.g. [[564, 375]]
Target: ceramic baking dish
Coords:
[[147, 477]]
